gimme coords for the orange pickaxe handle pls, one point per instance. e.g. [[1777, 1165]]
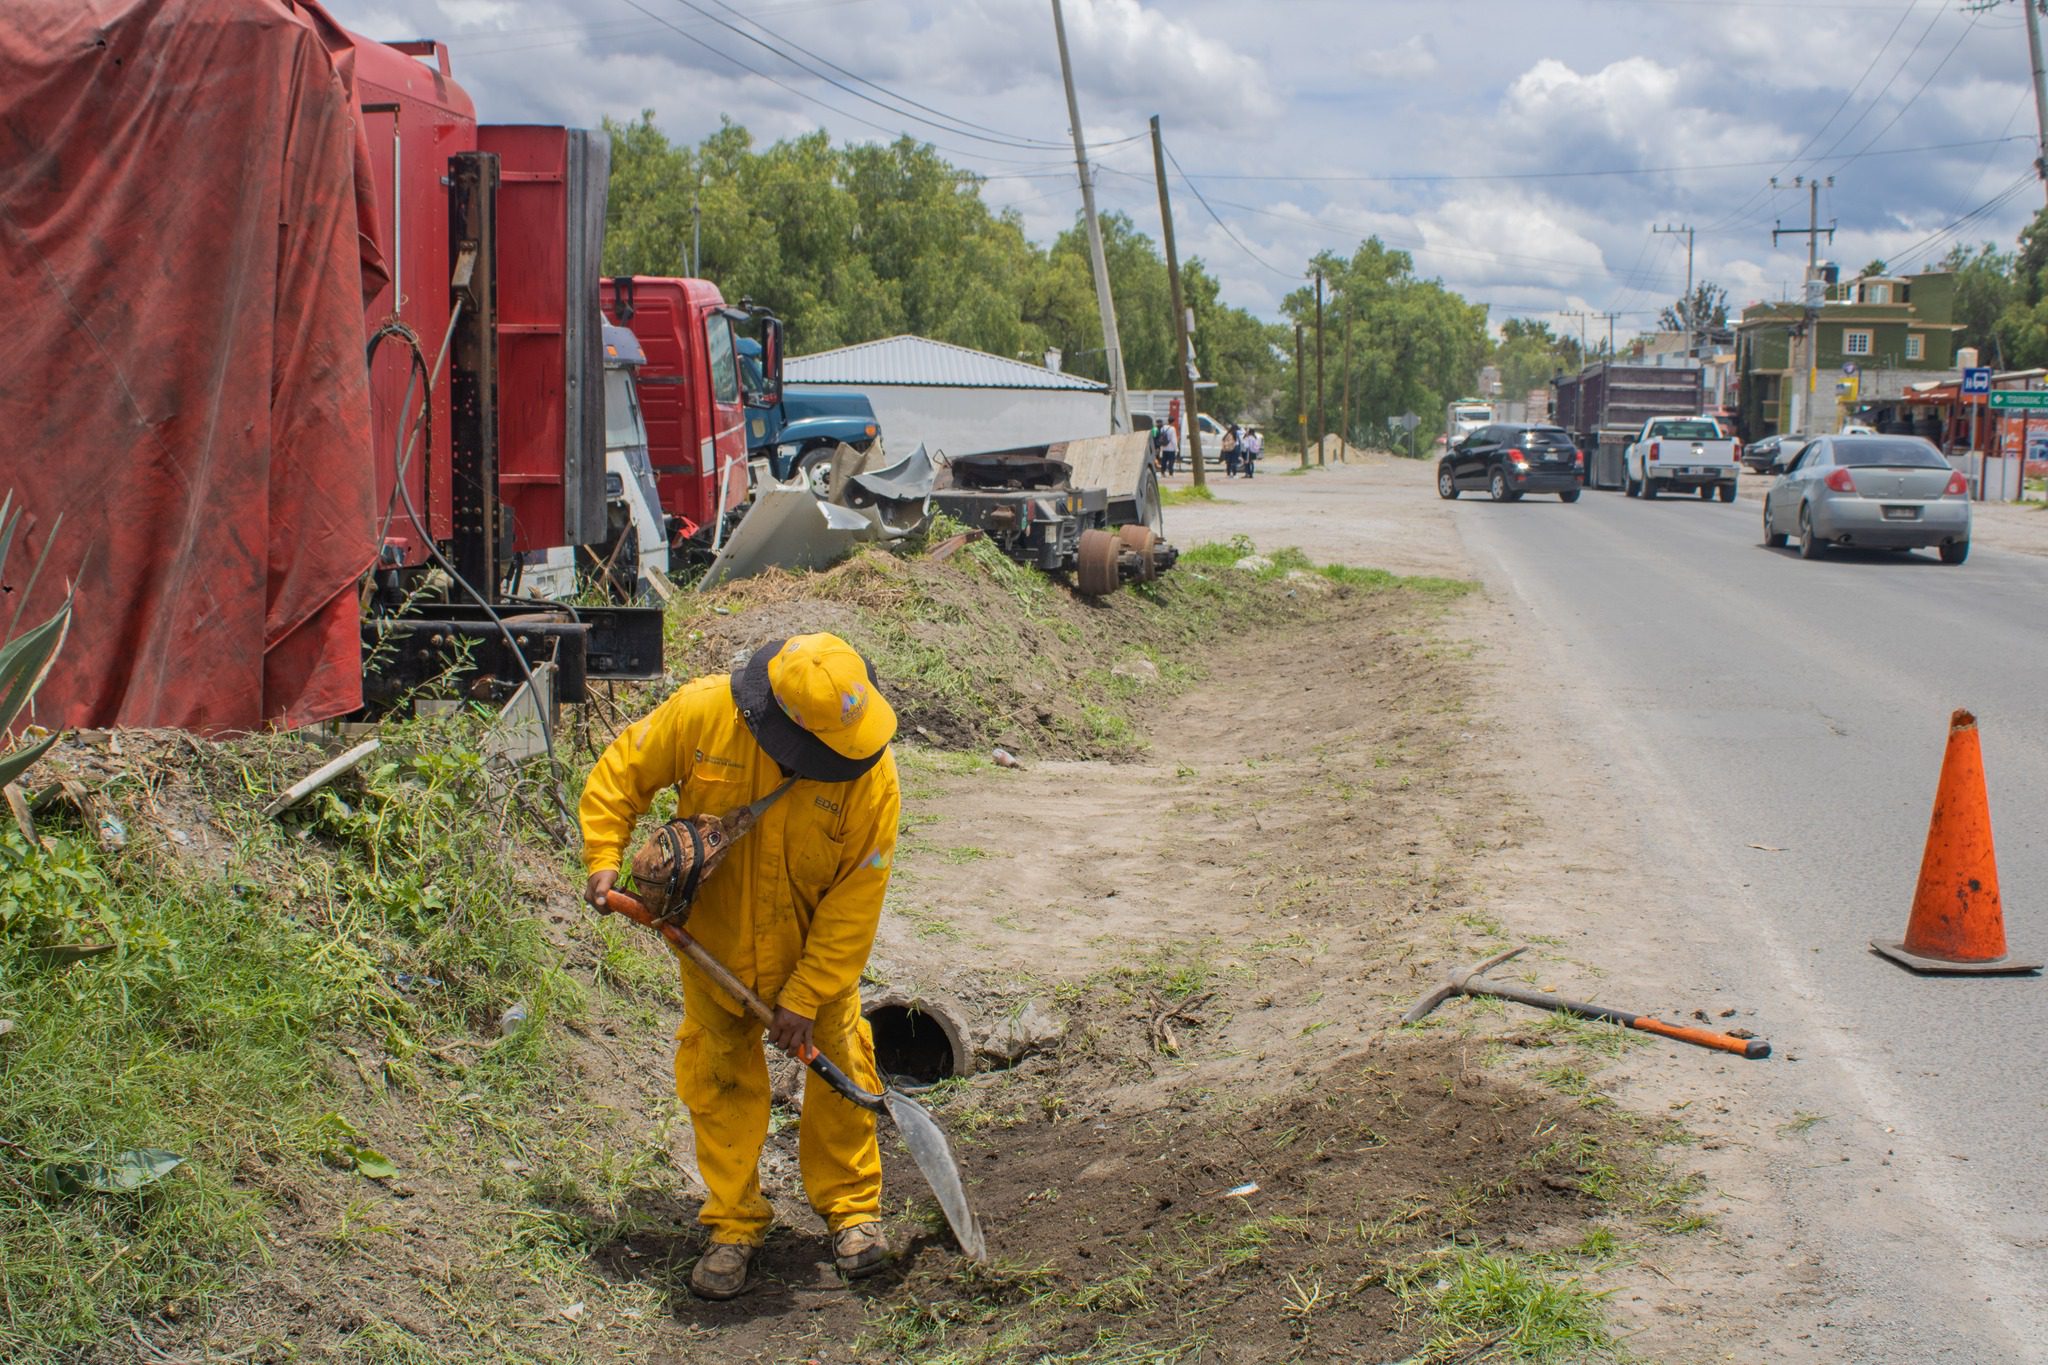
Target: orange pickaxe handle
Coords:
[[1699, 1037]]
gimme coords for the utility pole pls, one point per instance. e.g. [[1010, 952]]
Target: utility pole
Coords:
[[1322, 425], [2029, 8], [1581, 314], [1119, 398], [696, 235], [1610, 331], [1811, 296], [1300, 403], [1180, 316], [1692, 324], [1344, 418]]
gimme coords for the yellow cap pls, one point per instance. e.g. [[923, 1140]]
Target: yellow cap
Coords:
[[821, 683]]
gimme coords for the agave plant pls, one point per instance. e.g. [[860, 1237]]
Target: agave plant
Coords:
[[25, 659]]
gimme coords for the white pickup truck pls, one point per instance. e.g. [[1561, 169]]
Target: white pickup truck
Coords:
[[1680, 455]]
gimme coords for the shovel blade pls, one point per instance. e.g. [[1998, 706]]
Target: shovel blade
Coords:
[[934, 1156]]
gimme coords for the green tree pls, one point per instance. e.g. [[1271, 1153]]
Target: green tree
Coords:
[[1706, 306], [1529, 353], [1984, 290], [2022, 331], [1414, 344]]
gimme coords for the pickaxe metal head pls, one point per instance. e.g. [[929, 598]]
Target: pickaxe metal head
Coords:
[[1456, 982]]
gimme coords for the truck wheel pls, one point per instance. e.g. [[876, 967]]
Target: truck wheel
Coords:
[[1629, 485], [1140, 540], [1095, 571], [1649, 487], [1727, 492], [1706, 492]]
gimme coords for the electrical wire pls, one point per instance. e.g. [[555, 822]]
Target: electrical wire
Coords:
[[1201, 199], [1426, 177], [1911, 53], [433, 549], [999, 135], [1968, 29], [813, 99]]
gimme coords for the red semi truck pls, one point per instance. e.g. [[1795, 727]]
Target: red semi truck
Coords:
[[691, 398], [264, 526]]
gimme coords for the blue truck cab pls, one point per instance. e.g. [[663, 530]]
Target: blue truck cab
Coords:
[[797, 431]]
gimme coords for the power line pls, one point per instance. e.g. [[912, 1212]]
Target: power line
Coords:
[[1203, 200], [813, 99], [1826, 123], [944, 122], [1433, 177], [1901, 112], [1868, 109]]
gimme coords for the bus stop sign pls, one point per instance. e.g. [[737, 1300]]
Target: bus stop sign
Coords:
[[1977, 379]]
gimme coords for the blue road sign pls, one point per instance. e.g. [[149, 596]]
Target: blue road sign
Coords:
[[1977, 380]]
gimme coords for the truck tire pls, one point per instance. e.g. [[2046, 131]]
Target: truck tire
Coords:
[[1727, 492], [1649, 487], [1095, 567], [1706, 492], [1629, 485]]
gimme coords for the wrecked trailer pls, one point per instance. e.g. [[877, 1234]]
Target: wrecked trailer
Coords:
[[1089, 508], [797, 526]]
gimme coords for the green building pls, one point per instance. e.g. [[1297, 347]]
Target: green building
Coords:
[[1893, 331]]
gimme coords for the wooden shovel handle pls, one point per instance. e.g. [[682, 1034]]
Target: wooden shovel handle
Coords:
[[1751, 1048], [619, 903]]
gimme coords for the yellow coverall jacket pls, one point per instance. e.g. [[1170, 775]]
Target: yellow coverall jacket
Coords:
[[792, 912]]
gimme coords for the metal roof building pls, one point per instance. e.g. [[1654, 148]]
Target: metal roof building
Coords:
[[956, 399]]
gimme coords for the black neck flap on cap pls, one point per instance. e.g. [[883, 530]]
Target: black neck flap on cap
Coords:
[[788, 743]]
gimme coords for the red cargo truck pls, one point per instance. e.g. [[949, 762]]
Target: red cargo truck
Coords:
[[691, 398], [251, 513]]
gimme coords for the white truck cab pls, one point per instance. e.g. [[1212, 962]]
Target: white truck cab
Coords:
[[1681, 454], [635, 547]]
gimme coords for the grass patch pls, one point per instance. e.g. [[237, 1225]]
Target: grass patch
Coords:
[[1192, 493], [1286, 560], [1475, 1301]]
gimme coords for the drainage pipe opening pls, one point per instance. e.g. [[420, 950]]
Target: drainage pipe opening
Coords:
[[915, 1046]]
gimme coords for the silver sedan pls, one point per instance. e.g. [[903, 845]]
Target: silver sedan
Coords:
[[1871, 492]]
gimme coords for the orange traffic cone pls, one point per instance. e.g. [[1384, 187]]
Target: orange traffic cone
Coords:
[[1957, 923]]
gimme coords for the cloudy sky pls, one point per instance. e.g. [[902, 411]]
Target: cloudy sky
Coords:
[[1520, 149]]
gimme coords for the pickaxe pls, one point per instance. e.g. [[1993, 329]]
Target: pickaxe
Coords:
[[1468, 981]]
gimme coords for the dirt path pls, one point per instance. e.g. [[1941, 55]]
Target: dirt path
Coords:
[[1230, 1154]]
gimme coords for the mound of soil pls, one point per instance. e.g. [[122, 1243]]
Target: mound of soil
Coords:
[[1250, 1229]]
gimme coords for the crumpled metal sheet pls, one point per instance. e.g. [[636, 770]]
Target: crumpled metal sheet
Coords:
[[788, 526]]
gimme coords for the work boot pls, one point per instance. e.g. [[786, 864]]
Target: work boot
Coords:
[[721, 1271], [860, 1250]]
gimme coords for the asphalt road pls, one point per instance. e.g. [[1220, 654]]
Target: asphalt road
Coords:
[[1748, 697]]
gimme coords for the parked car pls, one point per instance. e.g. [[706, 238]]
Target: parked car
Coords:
[[1760, 457], [1508, 459], [1681, 455], [1875, 492]]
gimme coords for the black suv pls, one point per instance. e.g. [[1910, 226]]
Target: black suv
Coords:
[[1509, 459]]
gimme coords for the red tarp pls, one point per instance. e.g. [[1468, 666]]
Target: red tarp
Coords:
[[186, 223]]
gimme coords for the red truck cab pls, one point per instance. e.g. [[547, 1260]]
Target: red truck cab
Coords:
[[689, 396]]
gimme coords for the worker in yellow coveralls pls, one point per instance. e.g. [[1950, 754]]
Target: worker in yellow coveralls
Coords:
[[791, 911]]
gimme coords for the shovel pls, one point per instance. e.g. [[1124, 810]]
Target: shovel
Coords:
[[914, 1124]]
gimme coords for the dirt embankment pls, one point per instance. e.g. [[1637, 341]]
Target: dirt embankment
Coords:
[[1244, 823]]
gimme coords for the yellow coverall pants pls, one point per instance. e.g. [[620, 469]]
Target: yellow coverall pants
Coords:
[[722, 1077]]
